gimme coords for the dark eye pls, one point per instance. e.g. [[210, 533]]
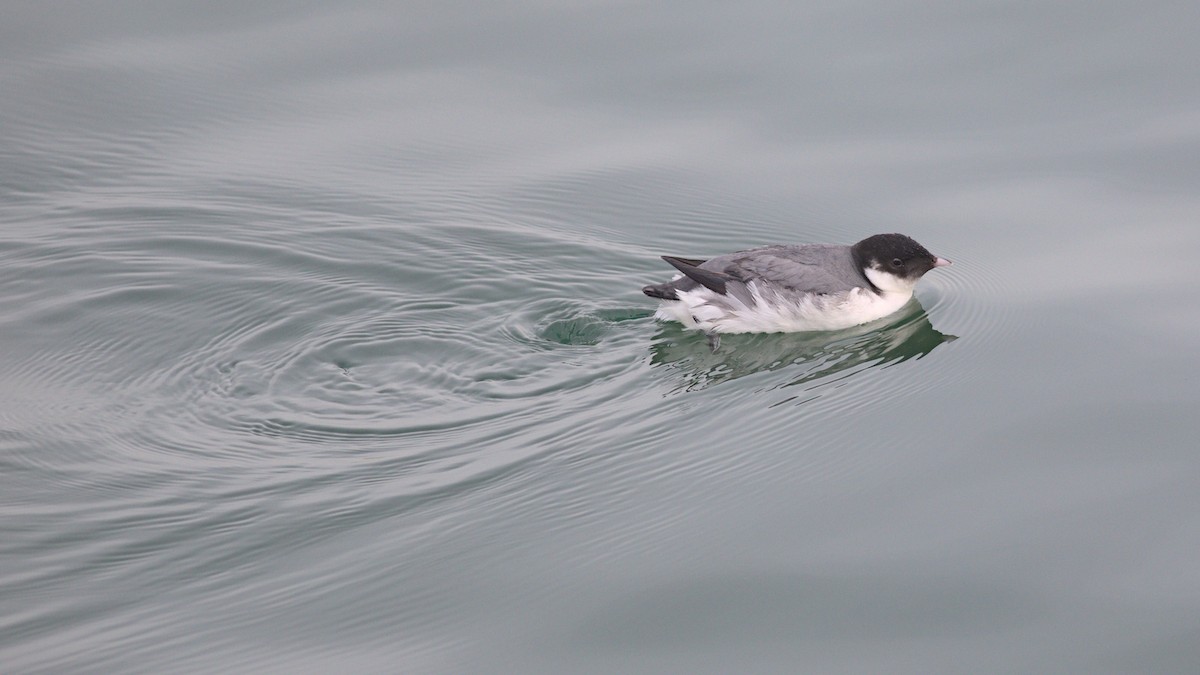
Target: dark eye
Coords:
[[896, 262]]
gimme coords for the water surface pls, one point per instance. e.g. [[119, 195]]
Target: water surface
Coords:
[[324, 349]]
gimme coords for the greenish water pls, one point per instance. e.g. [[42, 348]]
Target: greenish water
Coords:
[[324, 351]]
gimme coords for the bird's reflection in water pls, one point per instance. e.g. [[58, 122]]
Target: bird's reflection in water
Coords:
[[827, 356]]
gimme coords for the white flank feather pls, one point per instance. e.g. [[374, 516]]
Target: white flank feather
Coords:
[[777, 310]]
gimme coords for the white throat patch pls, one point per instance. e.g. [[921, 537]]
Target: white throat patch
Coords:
[[888, 282]]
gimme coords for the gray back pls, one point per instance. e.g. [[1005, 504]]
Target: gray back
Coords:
[[805, 268]]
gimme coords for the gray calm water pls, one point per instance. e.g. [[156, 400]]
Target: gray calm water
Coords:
[[323, 349]]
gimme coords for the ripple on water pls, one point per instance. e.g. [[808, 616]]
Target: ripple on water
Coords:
[[282, 348], [306, 340], [262, 350]]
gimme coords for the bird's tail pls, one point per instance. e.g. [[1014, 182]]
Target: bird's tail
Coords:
[[663, 291]]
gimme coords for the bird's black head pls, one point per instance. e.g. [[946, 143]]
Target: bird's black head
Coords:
[[896, 254]]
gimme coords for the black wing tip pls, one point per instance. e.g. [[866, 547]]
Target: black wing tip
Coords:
[[713, 281], [676, 260]]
